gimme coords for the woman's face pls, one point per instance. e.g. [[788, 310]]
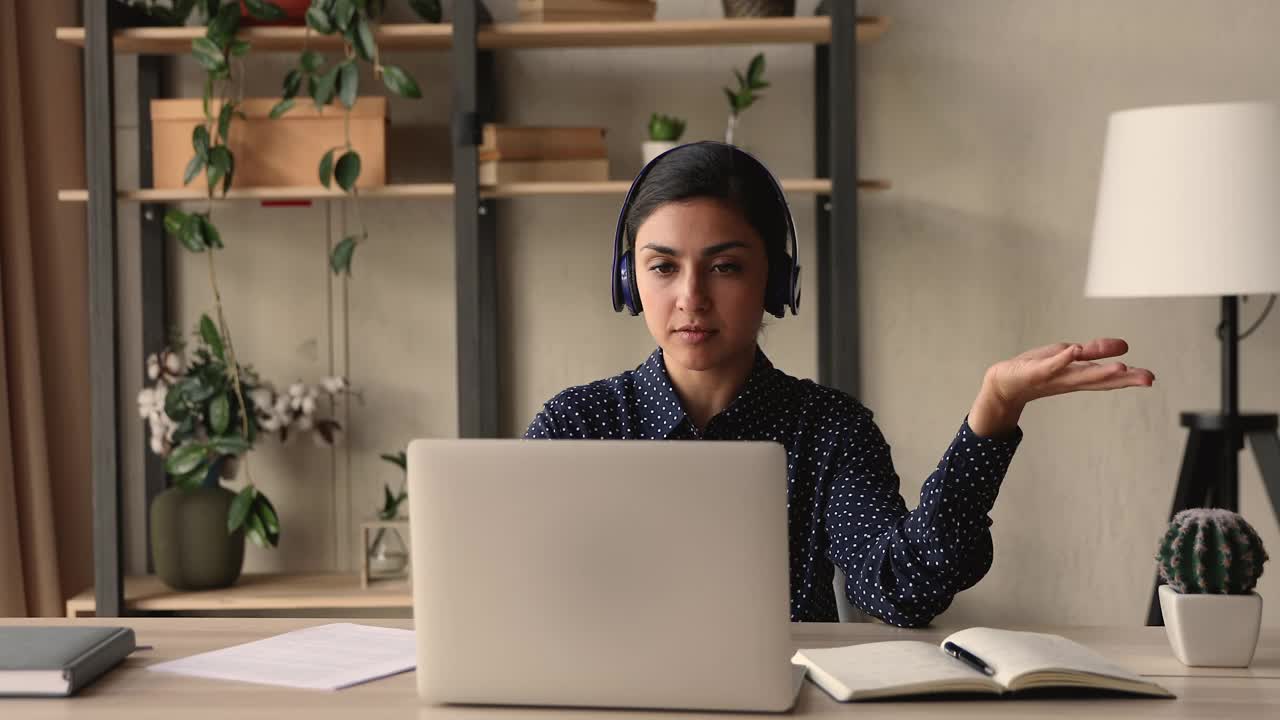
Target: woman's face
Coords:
[[701, 270]]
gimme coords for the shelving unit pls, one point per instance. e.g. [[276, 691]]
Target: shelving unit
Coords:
[[471, 47]]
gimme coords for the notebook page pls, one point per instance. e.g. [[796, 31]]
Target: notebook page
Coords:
[[325, 657], [882, 667], [1012, 653]]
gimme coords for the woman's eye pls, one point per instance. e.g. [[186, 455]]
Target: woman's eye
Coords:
[[725, 268], [662, 268]]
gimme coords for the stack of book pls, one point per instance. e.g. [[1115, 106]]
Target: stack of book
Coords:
[[586, 10], [542, 154]]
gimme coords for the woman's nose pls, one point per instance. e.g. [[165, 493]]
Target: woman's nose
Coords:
[[693, 293]]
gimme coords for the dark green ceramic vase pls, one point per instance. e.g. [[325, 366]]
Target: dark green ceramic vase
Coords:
[[189, 541]]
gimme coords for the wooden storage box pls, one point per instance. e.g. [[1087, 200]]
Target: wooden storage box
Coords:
[[284, 152]]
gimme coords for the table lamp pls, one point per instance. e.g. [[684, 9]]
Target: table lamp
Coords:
[[1189, 205]]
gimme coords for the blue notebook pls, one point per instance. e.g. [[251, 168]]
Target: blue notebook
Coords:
[[57, 661]]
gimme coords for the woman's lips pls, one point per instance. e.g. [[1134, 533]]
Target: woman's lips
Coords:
[[694, 336]]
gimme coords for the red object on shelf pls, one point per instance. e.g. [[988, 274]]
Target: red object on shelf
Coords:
[[295, 13], [286, 203]]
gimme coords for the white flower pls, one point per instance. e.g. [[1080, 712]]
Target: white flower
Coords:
[[305, 423], [308, 406], [270, 423], [297, 390], [153, 366], [283, 406], [172, 363], [158, 445], [334, 385], [262, 398], [146, 402]]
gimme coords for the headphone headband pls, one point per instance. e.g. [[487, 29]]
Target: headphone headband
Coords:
[[622, 280]]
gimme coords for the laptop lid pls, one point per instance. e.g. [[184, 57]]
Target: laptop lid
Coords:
[[601, 573]]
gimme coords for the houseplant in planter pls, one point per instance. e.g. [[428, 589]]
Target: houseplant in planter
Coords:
[[1210, 561], [745, 96], [664, 134], [199, 425]]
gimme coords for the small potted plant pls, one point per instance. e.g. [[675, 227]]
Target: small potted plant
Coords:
[[664, 134], [387, 555], [745, 96], [1211, 560], [196, 413], [758, 8]]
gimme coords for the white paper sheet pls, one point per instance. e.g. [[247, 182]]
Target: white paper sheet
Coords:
[[325, 657]]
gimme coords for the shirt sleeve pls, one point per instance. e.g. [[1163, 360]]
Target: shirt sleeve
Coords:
[[905, 567]]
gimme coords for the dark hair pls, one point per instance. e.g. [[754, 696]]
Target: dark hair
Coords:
[[714, 170]]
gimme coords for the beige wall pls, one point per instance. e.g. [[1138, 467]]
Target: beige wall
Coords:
[[987, 115]]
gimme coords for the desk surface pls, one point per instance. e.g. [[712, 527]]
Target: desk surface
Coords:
[[131, 692]]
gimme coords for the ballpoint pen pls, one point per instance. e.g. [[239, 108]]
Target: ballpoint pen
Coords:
[[967, 658]]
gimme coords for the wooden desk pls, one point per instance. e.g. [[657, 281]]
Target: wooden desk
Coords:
[[256, 593], [132, 693]]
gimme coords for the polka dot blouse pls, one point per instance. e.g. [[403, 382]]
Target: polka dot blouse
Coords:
[[843, 505]]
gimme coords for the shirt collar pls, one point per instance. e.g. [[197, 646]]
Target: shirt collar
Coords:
[[660, 409]]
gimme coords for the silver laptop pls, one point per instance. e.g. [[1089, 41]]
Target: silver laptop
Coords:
[[639, 574]]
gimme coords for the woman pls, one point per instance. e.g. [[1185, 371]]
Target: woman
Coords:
[[706, 229]]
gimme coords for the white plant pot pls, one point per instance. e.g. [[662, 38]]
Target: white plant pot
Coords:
[[1208, 630], [653, 148]]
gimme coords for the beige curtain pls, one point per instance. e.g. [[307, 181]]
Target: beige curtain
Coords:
[[45, 485]]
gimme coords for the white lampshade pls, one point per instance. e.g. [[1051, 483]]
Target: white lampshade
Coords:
[[1188, 203]]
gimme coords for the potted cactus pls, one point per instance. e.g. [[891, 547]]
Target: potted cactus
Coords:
[[1210, 561], [664, 134]]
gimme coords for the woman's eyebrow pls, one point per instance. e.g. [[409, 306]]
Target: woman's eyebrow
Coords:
[[714, 249]]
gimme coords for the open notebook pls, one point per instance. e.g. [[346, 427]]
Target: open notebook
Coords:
[[1021, 660]]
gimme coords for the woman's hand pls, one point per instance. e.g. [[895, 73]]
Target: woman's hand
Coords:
[[1050, 370]]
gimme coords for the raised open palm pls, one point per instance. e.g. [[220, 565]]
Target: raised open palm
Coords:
[[1063, 368]]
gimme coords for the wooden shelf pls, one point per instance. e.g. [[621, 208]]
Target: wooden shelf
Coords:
[[431, 190], [515, 35], [321, 591]]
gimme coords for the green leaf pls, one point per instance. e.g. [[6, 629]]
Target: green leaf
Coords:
[[742, 81], [211, 337], [343, 11], [219, 165], [733, 99], [266, 514], [348, 83], [292, 82], [240, 507], [326, 167], [310, 61], [208, 54], [324, 88], [257, 532], [219, 413], [428, 10], [211, 236], [226, 179], [224, 120], [265, 10], [281, 108], [192, 234], [318, 20], [240, 48], [399, 82], [193, 169], [363, 40], [229, 445], [340, 259], [222, 28], [399, 459], [193, 479], [184, 459], [347, 170], [173, 220], [756, 69], [200, 141]]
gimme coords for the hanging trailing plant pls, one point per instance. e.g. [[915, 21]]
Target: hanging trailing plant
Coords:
[[326, 78], [216, 52]]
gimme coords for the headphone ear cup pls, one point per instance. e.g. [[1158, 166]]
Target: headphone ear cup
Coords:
[[795, 290], [630, 293], [776, 291]]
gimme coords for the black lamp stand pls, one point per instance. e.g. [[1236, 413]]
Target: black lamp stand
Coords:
[[1210, 474]]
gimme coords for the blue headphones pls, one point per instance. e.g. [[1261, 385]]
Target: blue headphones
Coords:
[[783, 288]]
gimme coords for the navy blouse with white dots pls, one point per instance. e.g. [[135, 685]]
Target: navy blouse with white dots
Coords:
[[843, 502]]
